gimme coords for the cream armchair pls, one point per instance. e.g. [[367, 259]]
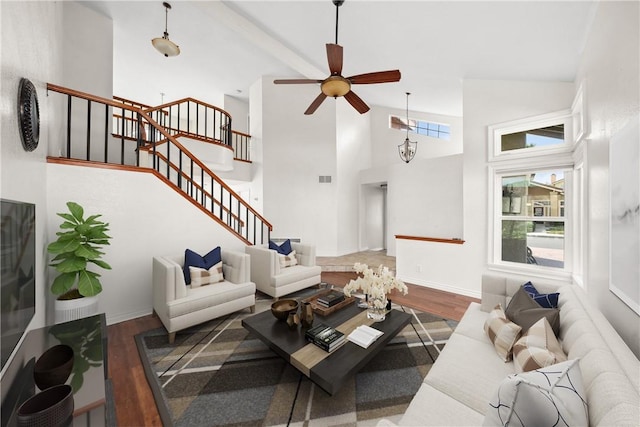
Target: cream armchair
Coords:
[[276, 281], [179, 306]]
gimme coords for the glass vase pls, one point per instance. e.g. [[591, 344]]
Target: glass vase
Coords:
[[377, 310]]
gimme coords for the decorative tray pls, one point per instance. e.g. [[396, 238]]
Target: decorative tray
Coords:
[[325, 311]]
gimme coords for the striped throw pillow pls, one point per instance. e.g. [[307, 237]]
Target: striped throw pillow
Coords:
[[502, 332], [288, 260], [537, 348], [202, 277]]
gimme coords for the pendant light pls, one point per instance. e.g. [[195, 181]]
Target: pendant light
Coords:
[[407, 149], [163, 44]]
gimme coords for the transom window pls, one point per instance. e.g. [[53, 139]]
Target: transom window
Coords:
[[539, 136], [420, 127]]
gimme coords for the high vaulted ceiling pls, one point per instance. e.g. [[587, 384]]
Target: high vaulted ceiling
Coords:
[[227, 46]]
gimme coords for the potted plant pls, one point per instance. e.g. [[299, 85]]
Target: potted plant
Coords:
[[75, 250]]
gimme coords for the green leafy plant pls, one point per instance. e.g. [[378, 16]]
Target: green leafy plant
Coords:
[[78, 245]]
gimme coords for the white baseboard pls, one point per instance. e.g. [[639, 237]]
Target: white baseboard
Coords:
[[442, 287], [111, 320]]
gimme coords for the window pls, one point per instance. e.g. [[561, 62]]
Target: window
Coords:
[[433, 130], [538, 136], [531, 170], [532, 218]]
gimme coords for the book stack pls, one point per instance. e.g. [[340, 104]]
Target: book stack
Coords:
[[332, 298], [325, 337]]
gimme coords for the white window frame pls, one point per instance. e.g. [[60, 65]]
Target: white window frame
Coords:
[[413, 129], [496, 132], [527, 160]]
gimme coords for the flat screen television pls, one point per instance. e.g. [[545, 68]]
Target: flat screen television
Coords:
[[17, 279]]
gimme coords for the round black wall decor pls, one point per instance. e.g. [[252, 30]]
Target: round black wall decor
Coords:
[[28, 115]]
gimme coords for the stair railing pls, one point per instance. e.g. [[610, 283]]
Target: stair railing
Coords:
[[189, 116], [157, 149], [241, 148], [192, 118]]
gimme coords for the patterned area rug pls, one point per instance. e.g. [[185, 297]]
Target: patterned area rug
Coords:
[[219, 374]]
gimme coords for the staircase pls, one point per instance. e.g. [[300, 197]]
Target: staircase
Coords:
[[123, 133]]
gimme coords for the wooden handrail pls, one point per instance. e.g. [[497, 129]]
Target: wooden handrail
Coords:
[[139, 104], [240, 133], [94, 98], [430, 239], [180, 101], [199, 187]]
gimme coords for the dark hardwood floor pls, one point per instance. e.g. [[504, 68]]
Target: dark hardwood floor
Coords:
[[134, 401]]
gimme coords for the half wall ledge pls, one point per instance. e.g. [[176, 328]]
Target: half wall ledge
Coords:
[[454, 241]]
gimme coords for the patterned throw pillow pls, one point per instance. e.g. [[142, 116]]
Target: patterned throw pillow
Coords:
[[502, 333], [202, 277], [548, 396], [193, 259], [545, 300], [537, 348], [288, 260]]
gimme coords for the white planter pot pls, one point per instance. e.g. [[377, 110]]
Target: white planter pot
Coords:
[[73, 309]]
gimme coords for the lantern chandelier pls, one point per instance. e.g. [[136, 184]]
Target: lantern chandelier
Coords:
[[163, 44], [407, 149]]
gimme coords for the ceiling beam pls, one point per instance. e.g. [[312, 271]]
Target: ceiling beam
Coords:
[[221, 13]]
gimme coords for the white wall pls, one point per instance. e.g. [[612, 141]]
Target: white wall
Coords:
[[458, 268], [424, 198], [31, 47], [352, 155], [296, 150], [146, 218], [239, 110], [610, 69]]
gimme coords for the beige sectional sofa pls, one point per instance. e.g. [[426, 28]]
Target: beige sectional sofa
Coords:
[[180, 306], [467, 373], [276, 281]]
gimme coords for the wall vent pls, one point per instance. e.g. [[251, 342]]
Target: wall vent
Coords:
[[324, 179]]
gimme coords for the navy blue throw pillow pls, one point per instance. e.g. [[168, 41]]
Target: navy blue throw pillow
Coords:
[[284, 248], [545, 300], [193, 259]]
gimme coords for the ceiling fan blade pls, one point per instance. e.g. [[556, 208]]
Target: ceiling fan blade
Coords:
[[356, 102], [399, 123], [295, 81], [377, 77], [315, 104], [334, 56]]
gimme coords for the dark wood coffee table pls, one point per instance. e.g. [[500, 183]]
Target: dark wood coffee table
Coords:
[[327, 370]]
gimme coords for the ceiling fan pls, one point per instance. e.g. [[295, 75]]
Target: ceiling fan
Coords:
[[335, 85]]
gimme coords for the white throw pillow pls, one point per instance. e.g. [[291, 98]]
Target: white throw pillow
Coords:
[[288, 260], [551, 396], [202, 277]]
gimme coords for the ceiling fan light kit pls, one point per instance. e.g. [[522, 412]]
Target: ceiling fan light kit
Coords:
[[336, 85], [407, 150], [163, 44]]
